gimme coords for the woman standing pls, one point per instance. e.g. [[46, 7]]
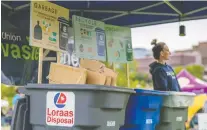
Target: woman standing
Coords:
[[163, 76]]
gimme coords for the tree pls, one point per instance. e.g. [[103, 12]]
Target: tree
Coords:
[[7, 93], [121, 69], [134, 76], [178, 69], [195, 70]]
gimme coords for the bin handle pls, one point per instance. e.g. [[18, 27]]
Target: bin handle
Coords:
[[111, 108], [88, 126]]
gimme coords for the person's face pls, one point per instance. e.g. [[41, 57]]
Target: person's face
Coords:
[[165, 53]]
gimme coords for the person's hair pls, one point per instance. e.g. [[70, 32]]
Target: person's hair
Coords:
[[158, 47], [17, 91]]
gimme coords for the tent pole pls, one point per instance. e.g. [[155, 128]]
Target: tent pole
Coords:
[[167, 21], [137, 10], [50, 59], [173, 7], [7, 6], [128, 79], [58, 57], [195, 11]]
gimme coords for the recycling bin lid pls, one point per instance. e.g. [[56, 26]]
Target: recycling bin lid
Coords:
[[179, 99], [151, 92], [77, 87], [181, 93]]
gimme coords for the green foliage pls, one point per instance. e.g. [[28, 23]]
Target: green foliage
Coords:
[[195, 70], [122, 75], [178, 69], [134, 77], [7, 93]]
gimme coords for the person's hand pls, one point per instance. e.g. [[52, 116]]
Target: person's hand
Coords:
[[22, 95]]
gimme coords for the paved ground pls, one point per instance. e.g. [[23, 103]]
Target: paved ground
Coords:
[[8, 128], [5, 128]]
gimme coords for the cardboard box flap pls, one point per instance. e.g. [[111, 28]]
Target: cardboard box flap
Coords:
[[108, 80], [92, 65], [112, 74], [95, 78], [64, 74]]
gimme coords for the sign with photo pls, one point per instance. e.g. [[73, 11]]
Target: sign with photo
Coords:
[[69, 57], [90, 39], [118, 43], [48, 25]]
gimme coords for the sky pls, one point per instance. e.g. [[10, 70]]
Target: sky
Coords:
[[196, 31]]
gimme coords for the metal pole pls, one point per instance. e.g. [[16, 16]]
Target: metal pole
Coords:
[[128, 79], [40, 65]]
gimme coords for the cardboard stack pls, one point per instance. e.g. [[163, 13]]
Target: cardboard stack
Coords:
[[64, 74], [98, 73], [90, 72]]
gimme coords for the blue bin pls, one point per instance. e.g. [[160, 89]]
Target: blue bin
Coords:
[[143, 110]]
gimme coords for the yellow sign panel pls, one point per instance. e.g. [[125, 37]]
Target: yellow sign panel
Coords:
[[48, 23]]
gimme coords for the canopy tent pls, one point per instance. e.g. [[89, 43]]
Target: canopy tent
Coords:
[[122, 13], [190, 83], [5, 80]]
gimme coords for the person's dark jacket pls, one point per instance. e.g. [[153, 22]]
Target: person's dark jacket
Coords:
[[164, 77]]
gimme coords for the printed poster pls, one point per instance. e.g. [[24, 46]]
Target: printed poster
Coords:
[[119, 45], [48, 25], [19, 60], [90, 39], [69, 57]]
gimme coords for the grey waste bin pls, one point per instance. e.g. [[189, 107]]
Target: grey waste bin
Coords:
[[71, 107], [174, 112]]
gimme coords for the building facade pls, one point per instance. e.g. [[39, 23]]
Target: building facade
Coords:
[[202, 49], [176, 59]]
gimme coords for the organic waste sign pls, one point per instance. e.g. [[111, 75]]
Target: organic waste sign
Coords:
[[119, 45]]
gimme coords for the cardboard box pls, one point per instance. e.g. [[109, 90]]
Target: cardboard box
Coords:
[[95, 78], [92, 65], [112, 74], [108, 81], [64, 74], [96, 70]]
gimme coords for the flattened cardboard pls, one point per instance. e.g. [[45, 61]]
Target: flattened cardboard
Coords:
[[95, 78], [64, 74]]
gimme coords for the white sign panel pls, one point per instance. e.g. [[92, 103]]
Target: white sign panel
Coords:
[[70, 58], [60, 109], [202, 121], [148, 121]]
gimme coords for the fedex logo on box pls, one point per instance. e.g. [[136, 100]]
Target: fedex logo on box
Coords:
[[60, 109]]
